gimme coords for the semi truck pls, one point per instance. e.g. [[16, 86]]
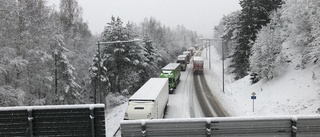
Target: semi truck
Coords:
[[173, 72], [197, 65], [182, 59], [150, 101], [191, 49], [188, 53]]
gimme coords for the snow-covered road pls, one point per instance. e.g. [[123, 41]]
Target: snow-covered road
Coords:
[[183, 102], [209, 104]]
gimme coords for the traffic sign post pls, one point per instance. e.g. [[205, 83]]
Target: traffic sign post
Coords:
[[253, 97]]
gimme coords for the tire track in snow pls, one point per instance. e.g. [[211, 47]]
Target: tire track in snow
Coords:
[[211, 98], [206, 99]]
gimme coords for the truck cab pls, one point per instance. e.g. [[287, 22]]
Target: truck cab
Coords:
[[140, 110], [172, 71], [191, 49], [182, 59], [150, 101], [197, 65], [188, 54]]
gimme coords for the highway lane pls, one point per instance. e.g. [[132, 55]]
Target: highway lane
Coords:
[[207, 101], [193, 98]]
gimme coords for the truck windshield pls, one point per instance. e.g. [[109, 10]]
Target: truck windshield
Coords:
[[198, 62], [138, 107], [170, 80], [181, 61]]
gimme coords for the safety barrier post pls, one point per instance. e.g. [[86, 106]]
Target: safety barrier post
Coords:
[[30, 118], [143, 128], [92, 121], [294, 126], [208, 127]]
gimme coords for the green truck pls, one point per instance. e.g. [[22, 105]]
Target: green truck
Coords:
[[172, 71]]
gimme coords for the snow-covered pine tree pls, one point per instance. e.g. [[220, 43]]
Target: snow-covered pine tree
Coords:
[[66, 89], [25, 32], [77, 38], [94, 74], [98, 79], [230, 31], [254, 15], [70, 13], [121, 58], [40, 81], [111, 54], [28, 28], [8, 22], [225, 34], [167, 41], [152, 61]]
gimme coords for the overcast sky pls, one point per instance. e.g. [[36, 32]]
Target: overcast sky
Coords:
[[196, 15]]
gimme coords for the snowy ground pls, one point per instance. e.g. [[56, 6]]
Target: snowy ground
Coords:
[[183, 102], [296, 92], [113, 118]]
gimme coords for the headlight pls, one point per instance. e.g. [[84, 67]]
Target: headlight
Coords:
[[126, 116], [149, 116]]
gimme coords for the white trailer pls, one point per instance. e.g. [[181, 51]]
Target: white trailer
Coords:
[[150, 101]]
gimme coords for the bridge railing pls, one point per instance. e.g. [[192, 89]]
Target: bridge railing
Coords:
[[55, 120], [280, 126]]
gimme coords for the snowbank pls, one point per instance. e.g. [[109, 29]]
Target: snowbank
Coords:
[[296, 92]]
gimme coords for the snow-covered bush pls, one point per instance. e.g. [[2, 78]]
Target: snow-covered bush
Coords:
[[11, 97], [267, 58], [115, 99], [303, 29]]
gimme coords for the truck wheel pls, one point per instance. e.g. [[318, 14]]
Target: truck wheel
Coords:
[[165, 111]]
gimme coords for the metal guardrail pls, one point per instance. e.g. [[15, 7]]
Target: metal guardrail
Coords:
[[279, 126], [55, 120]]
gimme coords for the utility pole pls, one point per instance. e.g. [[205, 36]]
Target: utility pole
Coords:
[[222, 42], [209, 55], [99, 77], [206, 52], [222, 46], [222, 60]]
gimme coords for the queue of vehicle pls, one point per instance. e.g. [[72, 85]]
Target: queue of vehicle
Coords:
[[150, 101]]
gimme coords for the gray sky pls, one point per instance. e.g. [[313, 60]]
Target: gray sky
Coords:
[[196, 15]]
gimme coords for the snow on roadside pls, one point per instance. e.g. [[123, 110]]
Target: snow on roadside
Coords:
[[113, 118], [213, 78], [296, 92]]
